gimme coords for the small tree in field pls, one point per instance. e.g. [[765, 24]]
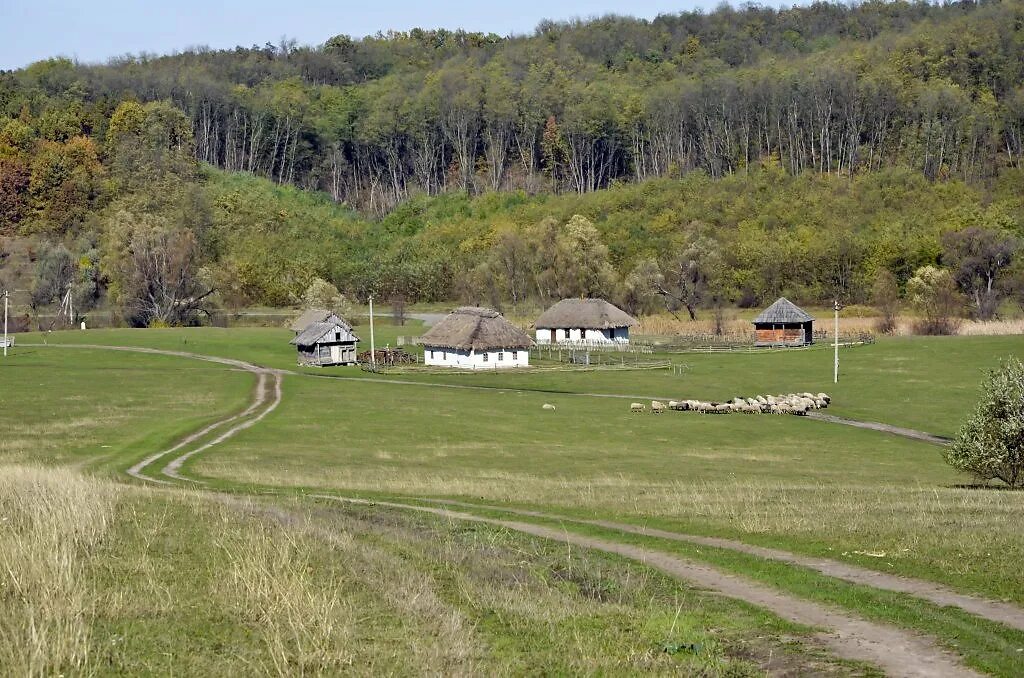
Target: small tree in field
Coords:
[[991, 443], [933, 293]]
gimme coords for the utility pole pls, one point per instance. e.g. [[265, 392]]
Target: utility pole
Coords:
[[6, 295], [835, 371], [373, 348]]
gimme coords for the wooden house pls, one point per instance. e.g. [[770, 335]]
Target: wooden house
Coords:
[[584, 321], [326, 342], [783, 324], [476, 338], [310, 316]]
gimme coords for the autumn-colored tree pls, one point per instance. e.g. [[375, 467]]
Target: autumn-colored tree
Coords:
[[14, 183], [64, 183]]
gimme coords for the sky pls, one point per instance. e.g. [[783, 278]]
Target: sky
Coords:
[[95, 31]]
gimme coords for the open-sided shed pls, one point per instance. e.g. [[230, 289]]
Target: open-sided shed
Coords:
[[783, 324]]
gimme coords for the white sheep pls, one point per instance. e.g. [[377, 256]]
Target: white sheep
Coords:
[[657, 407], [548, 406], [636, 407]]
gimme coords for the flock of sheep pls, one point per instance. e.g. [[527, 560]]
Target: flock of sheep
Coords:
[[792, 403]]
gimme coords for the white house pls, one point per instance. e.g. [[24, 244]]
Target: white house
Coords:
[[476, 338], [584, 321]]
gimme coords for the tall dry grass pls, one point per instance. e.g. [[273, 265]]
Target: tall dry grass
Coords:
[[50, 521], [311, 621], [740, 330]]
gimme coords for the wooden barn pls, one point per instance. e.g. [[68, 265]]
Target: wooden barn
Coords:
[[476, 338], [783, 324], [326, 342], [584, 321]]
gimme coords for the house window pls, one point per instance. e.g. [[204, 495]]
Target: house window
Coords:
[[501, 355], [486, 355], [337, 336], [431, 355]]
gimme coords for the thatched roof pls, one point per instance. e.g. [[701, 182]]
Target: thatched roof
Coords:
[[588, 314], [475, 328], [783, 311], [323, 332], [310, 316]]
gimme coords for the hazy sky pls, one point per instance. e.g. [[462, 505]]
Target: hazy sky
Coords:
[[95, 31]]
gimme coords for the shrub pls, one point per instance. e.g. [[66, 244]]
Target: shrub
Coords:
[[991, 443], [934, 295]]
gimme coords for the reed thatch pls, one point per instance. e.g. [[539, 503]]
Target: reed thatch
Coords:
[[782, 312], [473, 328], [587, 314]]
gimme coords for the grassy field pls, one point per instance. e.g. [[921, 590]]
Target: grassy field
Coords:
[[105, 579], [928, 383], [101, 408], [880, 501]]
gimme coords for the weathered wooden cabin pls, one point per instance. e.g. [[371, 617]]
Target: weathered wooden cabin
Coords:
[[476, 338], [783, 324], [327, 342], [310, 316], [584, 321]]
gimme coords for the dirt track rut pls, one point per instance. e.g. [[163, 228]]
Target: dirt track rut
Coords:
[[898, 652], [992, 610]]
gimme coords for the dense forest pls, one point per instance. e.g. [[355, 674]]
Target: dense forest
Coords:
[[691, 160]]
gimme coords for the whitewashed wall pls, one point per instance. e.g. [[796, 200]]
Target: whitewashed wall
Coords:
[[476, 360], [567, 336]]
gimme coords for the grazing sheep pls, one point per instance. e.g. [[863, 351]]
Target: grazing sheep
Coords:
[[761, 400], [657, 407], [637, 407], [826, 397], [548, 406], [771, 400], [799, 409]]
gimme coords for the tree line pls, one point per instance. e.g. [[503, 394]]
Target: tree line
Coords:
[[578, 106]]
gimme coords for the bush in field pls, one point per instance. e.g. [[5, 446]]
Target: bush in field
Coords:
[[991, 443], [934, 295]]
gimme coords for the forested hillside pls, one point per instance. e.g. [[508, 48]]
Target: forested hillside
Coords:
[[693, 160]]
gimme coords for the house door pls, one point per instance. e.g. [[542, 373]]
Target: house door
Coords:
[[336, 354]]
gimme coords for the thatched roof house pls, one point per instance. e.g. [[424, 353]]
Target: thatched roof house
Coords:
[[326, 342], [783, 324], [584, 320], [475, 338]]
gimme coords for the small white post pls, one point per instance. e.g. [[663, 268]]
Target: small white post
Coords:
[[835, 371], [6, 295], [373, 350]]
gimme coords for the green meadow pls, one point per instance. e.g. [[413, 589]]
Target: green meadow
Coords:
[[868, 498]]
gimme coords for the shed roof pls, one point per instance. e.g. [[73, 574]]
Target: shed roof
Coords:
[[590, 314], [315, 332], [310, 316], [475, 328], [783, 311]]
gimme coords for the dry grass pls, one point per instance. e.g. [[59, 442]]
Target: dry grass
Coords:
[[740, 330], [50, 522], [992, 327], [312, 624], [962, 531]]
